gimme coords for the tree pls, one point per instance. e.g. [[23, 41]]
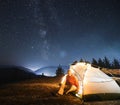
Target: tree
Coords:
[[81, 60], [94, 62], [115, 64], [59, 71], [100, 62], [106, 62], [74, 62]]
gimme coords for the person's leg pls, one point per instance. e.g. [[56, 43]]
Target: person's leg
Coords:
[[72, 88], [61, 90]]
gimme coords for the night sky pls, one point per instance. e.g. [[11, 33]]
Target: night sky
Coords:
[[38, 33]]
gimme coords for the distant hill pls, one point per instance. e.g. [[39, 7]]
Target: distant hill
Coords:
[[14, 73], [50, 70]]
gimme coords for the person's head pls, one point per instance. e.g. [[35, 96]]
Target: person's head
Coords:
[[69, 72]]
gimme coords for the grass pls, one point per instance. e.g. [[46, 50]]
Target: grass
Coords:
[[34, 92], [102, 97], [41, 91]]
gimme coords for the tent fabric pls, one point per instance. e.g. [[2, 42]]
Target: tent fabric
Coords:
[[92, 80]]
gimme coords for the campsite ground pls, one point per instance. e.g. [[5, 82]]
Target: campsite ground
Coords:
[[40, 91]]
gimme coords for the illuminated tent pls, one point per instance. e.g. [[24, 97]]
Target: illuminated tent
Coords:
[[92, 80]]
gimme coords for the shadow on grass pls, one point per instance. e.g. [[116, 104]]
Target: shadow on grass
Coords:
[[102, 97]]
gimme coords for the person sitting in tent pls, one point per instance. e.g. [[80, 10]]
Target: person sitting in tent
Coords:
[[69, 81]]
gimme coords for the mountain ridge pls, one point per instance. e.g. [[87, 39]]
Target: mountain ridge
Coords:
[[14, 73]]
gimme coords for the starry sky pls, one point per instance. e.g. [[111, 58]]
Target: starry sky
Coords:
[[38, 33]]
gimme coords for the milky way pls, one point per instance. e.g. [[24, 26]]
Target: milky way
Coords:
[[37, 33]]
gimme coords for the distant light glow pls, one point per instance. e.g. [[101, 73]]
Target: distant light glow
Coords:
[[34, 66]]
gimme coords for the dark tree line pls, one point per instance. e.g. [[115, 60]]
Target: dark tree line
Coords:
[[105, 63], [102, 63]]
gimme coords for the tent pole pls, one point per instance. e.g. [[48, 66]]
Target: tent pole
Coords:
[[83, 86], [82, 92]]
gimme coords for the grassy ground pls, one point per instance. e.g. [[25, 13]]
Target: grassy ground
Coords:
[[40, 91], [114, 72]]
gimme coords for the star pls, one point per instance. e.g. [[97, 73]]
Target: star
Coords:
[[32, 47]]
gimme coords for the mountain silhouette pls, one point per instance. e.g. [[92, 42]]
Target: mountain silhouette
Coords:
[[14, 73]]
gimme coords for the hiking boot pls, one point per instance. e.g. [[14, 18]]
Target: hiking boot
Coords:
[[57, 95]]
